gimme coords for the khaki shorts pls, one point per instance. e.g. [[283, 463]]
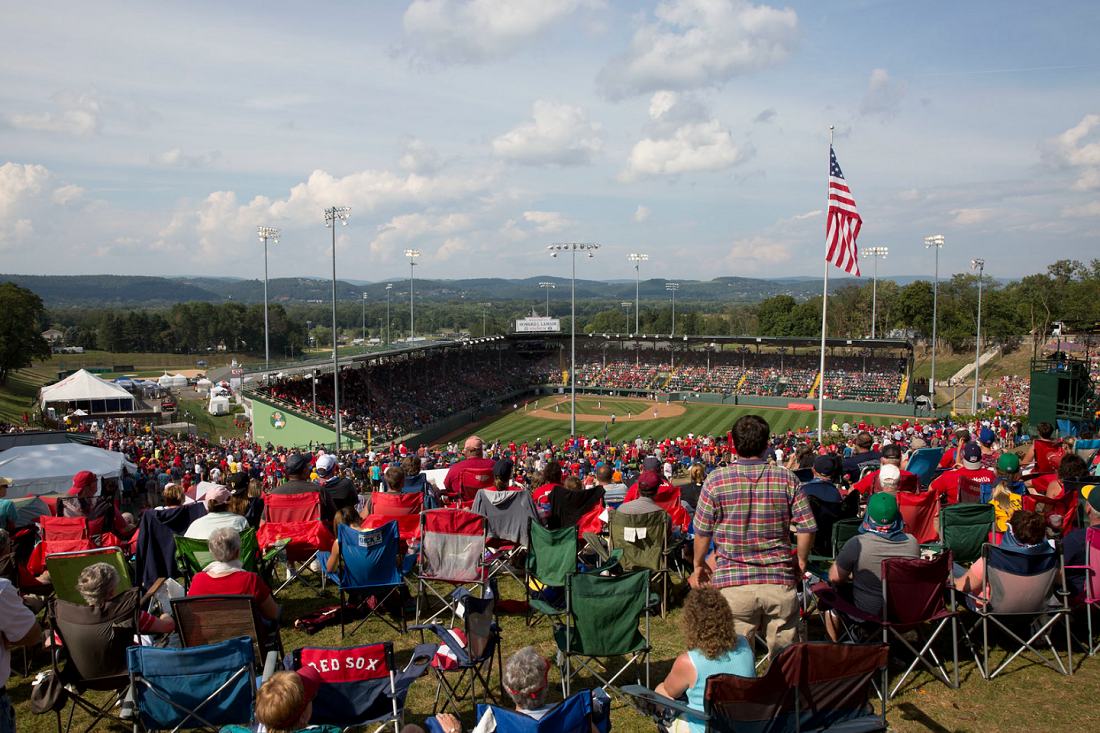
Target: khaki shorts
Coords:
[[768, 606]]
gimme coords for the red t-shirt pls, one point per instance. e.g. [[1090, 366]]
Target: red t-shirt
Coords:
[[235, 584]]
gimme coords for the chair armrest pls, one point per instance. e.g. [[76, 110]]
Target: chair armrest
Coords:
[[613, 559], [542, 607], [594, 543], [644, 693], [421, 658], [271, 663], [152, 590]]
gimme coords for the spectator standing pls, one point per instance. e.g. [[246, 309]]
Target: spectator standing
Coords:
[[18, 627]]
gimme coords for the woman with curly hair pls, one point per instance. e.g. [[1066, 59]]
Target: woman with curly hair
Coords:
[[715, 648]]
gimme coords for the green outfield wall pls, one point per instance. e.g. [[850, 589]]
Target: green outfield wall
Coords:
[[274, 423]]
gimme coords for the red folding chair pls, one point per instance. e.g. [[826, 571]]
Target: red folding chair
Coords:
[[1060, 513], [970, 491], [291, 532], [281, 508], [668, 498], [472, 480], [64, 528], [405, 509], [920, 512], [452, 550]]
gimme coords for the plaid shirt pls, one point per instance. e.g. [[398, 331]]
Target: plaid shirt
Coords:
[[747, 509]]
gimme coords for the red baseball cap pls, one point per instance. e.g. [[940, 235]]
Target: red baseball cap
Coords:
[[81, 481]]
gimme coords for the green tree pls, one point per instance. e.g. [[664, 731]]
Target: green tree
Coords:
[[773, 316], [20, 340]]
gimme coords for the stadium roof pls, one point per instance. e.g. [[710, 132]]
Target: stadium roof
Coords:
[[762, 341]]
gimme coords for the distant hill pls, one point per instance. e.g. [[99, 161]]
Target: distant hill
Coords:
[[111, 290]]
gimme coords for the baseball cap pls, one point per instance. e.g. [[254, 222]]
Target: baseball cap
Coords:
[[651, 463], [5, 481], [825, 465], [238, 484], [893, 450], [502, 469], [972, 456], [1009, 462], [474, 443], [649, 479], [917, 443], [325, 464], [81, 481], [217, 495], [889, 472], [1092, 496], [986, 436], [882, 508], [296, 463]]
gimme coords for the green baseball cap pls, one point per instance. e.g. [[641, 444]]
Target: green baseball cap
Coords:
[[882, 508], [1009, 462]]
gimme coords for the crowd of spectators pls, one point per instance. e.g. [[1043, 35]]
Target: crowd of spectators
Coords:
[[1015, 395], [863, 379]]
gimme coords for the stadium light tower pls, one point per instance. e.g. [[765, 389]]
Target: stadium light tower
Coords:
[[573, 248], [267, 233], [412, 254], [628, 305], [673, 287], [978, 265], [546, 286], [364, 323], [934, 242], [332, 215], [484, 310], [875, 252], [637, 259], [389, 287]]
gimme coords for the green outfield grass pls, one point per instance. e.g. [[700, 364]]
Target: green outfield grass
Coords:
[[699, 419]]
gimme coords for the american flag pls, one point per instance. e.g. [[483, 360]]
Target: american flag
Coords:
[[844, 222]]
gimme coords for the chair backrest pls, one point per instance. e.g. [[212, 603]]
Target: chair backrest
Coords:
[[355, 682], [572, 715], [395, 505], [864, 469], [285, 508], [844, 530], [575, 507], [605, 610], [95, 638], [171, 684], [65, 569], [202, 620], [964, 528], [194, 554], [1060, 513], [368, 558], [64, 528], [479, 621], [826, 514], [924, 463], [919, 511], [1016, 582], [810, 686], [552, 556], [912, 589], [804, 474], [452, 545], [98, 510], [1044, 451], [643, 539], [970, 491], [1092, 560], [472, 480]]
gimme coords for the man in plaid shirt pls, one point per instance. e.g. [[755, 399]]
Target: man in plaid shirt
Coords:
[[747, 510]]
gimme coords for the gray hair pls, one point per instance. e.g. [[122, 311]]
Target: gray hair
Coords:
[[225, 544], [524, 677], [97, 583]]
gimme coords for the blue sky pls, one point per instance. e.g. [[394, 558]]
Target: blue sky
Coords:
[[152, 138]]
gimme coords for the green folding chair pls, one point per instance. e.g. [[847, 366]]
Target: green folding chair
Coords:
[[551, 559], [65, 569], [964, 528], [602, 618], [194, 554], [644, 541], [844, 530]]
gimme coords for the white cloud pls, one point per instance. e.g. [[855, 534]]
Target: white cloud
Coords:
[[883, 96], [75, 114], [418, 157], [641, 215], [175, 158], [809, 214], [478, 30], [1078, 148], [1090, 209], [681, 140], [701, 43], [548, 222], [559, 134], [67, 193], [766, 251], [30, 193], [965, 217]]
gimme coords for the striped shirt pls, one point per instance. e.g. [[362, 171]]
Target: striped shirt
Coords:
[[747, 509]]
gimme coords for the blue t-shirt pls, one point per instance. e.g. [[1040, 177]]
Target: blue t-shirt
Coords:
[[740, 662], [823, 490]]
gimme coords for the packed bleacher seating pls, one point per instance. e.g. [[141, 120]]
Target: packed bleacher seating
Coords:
[[1015, 395], [862, 379]]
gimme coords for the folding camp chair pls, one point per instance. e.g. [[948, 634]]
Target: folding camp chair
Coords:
[[576, 714], [912, 595], [94, 642], [194, 554], [919, 512], [552, 559], [291, 524], [361, 686], [602, 622], [581, 508], [964, 528], [507, 515], [473, 480], [970, 491], [371, 565], [202, 687], [811, 686], [644, 541], [452, 549], [1060, 513], [405, 509], [205, 620], [668, 498], [470, 656], [64, 528], [65, 569], [1091, 586], [924, 463], [1016, 589]]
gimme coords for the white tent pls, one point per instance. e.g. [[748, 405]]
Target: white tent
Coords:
[[49, 469], [203, 384], [88, 392], [218, 406], [179, 381]]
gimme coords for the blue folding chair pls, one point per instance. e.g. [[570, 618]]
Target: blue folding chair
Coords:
[[361, 686], [924, 463], [573, 715], [201, 687], [369, 568]]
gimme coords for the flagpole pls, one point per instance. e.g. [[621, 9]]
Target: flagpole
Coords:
[[824, 310]]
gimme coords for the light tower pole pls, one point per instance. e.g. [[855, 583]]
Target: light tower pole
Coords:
[[936, 243], [573, 248], [546, 286], [628, 305], [267, 233], [484, 307], [389, 287], [978, 265], [637, 259], [875, 252], [673, 287], [364, 323], [412, 254], [332, 215]]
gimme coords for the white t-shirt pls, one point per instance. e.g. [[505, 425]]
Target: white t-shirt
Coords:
[[15, 621], [204, 526]]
